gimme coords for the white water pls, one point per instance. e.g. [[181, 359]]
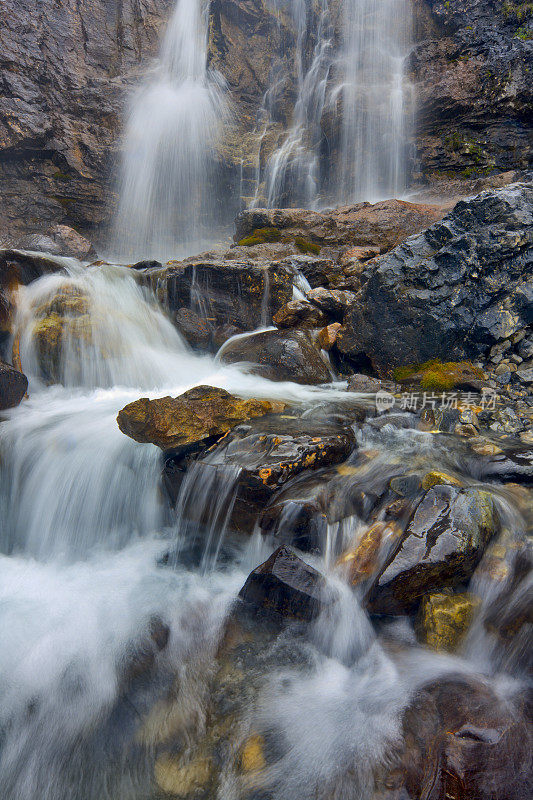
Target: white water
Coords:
[[376, 100], [166, 206], [83, 529]]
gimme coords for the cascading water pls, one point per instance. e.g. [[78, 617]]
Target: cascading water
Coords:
[[108, 655], [376, 100], [166, 205]]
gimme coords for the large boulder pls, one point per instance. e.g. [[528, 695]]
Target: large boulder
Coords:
[[442, 546], [287, 586], [382, 225], [280, 355], [451, 292], [200, 415], [60, 240], [245, 294], [462, 740], [13, 386]]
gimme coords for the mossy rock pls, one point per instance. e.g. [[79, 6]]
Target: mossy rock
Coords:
[[307, 247], [439, 376], [261, 236], [444, 619]]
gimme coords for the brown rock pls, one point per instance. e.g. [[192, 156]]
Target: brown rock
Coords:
[[198, 415], [328, 336], [279, 356], [193, 328], [444, 619], [332, 301], [13, 386], [300, 314]]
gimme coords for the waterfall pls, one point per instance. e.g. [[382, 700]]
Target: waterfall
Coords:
[[166, 205], [375, 100]]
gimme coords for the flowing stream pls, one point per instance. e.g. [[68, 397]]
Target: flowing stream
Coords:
[[87, 599]]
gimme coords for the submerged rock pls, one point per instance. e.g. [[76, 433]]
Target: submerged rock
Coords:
[[442, 546], [445, 618], [202, 414], [287, 586], [463, 740], [451, 292], [288, 355], [13, 386]]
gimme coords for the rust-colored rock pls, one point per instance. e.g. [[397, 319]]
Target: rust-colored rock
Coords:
[[199, 415], [328, 336]]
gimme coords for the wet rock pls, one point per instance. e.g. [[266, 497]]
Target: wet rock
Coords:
[[193, 328], [327, 337], [363, 383], [444, 619], [361, 562], [61, 240], [279, 356], [332, 301], [382, 225], [186, 780], [202, 414], [438, 376], [318, 271], [442, 546], [287, 586], [13, 386], [452, 292], [240, 293], [64, 321], [463, 740], [300, 314]]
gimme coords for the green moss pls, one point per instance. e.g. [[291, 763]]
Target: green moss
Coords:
[[61, 176], [524, 33], [261, 236], [438, 376], [305, 246], [517, 12]]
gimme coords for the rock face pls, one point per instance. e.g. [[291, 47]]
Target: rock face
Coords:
[[198, 415], [61, 240], [471, 67], [451, 292], [244, 294], [13, 386], [442, 546], [287, 355], [285, 585], [65, 67], [382, 225]]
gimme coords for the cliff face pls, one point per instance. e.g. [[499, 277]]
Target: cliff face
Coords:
[[66, 67]]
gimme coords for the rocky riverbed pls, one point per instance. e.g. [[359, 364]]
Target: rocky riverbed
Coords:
[[302, 464]]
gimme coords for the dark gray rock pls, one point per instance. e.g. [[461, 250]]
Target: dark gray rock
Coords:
[[451, 292], [13, 386]]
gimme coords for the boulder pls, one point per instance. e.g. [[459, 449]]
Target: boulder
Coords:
[[60, 240], [452, 292], [444, 619], [200, 415], [442, 546], [13, 386], [462, 740], [286, 586], [300, 314], [195, 330], [333, 302], [382, 225], [288, 355], [245, 294], [327, 337], [317, 271]]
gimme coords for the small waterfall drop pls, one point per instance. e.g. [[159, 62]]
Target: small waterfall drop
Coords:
[[375, 99], [166, 203]]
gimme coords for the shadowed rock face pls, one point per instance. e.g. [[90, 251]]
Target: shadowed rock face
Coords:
[[13, 385], [451, 292]]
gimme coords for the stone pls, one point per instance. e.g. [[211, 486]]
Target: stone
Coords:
[[327, 337], [332, 301], [183, 780], [193, 328], [280, 356], [286, 586], [318, 271], [438, 376], [252, 755], [381, 225], [358, 254], [442, 546], [444, 619], [199, 415], [467, 740], [245, 294], [363, 383], [300, 314], [13, 386], [436, 477], [361, 562], [452, 292]]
